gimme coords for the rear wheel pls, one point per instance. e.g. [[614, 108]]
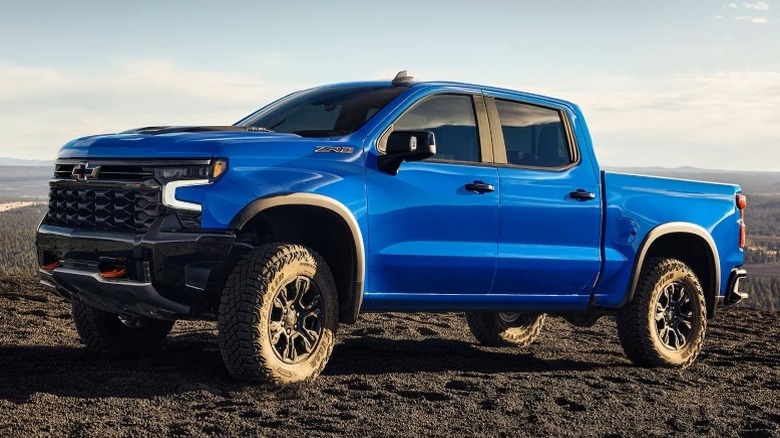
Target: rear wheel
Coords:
[[278, 315], [116, 335], [664, 324], [498, 329]]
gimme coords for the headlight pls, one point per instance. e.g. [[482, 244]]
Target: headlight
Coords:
[[188, 172], [175, 177], [211, 172]]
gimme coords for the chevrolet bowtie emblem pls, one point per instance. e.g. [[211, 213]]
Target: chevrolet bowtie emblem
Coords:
[[83, 172]]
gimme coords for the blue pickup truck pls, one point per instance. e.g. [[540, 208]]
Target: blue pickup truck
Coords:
[[389, 196]]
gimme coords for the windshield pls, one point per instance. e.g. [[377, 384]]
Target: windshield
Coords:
[[324, 112]]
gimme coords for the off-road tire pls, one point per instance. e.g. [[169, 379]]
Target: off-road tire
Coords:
[[494, 329], [105, 333], [249, 308], [639, 329]]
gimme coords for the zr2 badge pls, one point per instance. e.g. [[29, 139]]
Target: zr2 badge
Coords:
[[336, 149]]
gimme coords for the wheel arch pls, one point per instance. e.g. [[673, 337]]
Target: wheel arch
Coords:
[[290, 218], [689, 243]]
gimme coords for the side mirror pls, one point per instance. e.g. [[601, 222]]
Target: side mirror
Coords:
[[406, 146]]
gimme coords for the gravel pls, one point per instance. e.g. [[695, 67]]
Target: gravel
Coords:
[[390, 375]]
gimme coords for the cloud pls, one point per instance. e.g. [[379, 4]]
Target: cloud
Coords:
[[726, 120], [43, 108], [723, 119], [752, 19], [758, 6]]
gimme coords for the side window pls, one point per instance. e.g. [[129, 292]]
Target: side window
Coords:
[[533, 136], [451, 119]]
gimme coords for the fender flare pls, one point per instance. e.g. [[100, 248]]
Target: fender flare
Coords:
[[312, 199], [664, 230]]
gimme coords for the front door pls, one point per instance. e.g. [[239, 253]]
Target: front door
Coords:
[[430, 230]]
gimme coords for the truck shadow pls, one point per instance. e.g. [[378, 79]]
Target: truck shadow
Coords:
[[188, 363], [192, 362], [375, 355]]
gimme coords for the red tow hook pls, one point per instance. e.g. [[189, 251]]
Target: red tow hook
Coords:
[[112, 268], [50, 266]]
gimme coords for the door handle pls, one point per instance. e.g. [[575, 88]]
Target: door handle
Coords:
[[480, 187], [582, 195]]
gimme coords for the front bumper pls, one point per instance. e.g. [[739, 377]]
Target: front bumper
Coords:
[[170, 273], [115, 296]]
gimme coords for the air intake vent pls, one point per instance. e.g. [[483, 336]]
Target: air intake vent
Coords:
[[97, 208]]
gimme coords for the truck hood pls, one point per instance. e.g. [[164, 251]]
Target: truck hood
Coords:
[[167, 142]]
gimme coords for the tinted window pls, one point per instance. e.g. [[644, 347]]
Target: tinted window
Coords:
[[534, 136], [324, 112], [451, 119]]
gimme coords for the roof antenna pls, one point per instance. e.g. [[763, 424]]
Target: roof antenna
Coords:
[[402, 78]]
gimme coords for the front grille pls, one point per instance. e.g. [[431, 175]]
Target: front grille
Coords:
[[116, 195], [104, 208], [108, 172]]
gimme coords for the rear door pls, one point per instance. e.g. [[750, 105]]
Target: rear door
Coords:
[[550, 215]]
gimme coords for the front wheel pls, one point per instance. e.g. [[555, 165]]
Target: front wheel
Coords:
[[499, 329], [116, 335], [278, 315], [664, 324]]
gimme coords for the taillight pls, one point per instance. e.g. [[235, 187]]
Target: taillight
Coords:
[[741, 202], [741, 205]]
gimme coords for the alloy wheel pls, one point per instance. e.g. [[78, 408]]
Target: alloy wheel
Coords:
[[295, 323], [674, 313]]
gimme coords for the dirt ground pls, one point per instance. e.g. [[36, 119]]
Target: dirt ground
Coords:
[[390, 375]]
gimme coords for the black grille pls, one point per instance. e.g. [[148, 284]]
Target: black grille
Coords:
[[109, 172], [101, 208]]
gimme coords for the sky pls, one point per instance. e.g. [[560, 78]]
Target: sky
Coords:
[[661, 83]]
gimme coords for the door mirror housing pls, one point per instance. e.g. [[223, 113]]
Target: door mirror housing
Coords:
[[406, 146]]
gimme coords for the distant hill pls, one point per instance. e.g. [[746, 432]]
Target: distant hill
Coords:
[[21, 182], [4, 161], [751, 182], [14, 176]]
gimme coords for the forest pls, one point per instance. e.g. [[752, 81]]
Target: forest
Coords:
[[17, 240]]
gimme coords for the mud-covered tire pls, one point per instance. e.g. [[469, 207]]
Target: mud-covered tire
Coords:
[[256, 333], [497, 329], [109, 334], [665, 323]]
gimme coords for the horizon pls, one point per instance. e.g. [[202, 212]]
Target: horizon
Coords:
[[661, 85], [23, 162]]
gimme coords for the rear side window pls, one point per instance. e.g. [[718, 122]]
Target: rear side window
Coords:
[[533, 135], [452, 121]]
